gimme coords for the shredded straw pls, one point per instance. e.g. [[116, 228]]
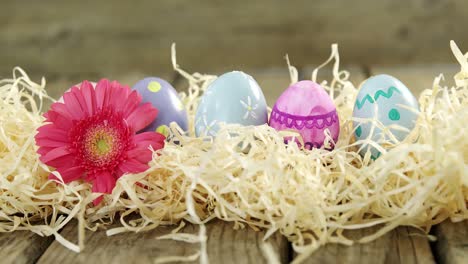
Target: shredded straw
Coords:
[[247, 175]]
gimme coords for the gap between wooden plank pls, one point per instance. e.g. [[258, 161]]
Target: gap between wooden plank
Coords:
[[22, 246], [224, 244], [402, 245], [452, 242]]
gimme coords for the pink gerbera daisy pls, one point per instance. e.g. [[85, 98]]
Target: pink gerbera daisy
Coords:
[[92, 135]]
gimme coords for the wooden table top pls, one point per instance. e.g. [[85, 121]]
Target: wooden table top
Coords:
[[226, 245]]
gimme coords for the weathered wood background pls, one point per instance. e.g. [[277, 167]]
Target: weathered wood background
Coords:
[[127, 40], [93, 39]]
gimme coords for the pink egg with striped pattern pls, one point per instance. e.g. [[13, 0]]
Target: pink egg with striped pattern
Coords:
[[307, 108]]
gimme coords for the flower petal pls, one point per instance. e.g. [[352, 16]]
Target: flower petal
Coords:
[[54, 154], [133, 166], [101, 93], [47, 142], [73, 104], [141, 155], [60, 115], [89, 95], [64, 161], [109, 95], [77, 92], [59, 121], [52, 132], [69, 174], [132, 102], [98, 200], [104, 182], [119, 95], [61, 109], [44, 150], [146, 139], [142, 117]]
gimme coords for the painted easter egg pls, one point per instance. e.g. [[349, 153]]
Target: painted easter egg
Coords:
[[233, 98], [305, 107], [164, 97], [391, 102]]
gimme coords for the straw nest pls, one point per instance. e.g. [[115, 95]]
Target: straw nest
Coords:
[[252, 178]]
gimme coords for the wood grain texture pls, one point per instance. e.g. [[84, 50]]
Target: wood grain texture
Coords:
[[224, 245], [227, 245], [452, 244], [22, 247], [402, 245], [59, 38]]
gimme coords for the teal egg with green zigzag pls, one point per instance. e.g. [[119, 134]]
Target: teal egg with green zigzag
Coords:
[[389, 101]]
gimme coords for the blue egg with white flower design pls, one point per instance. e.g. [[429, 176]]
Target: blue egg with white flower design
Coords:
[[233, 98], [390, 102]]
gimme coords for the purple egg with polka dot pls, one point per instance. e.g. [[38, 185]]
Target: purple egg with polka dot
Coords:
[[164, 97]]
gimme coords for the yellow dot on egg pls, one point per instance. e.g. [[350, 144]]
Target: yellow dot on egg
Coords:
[[163, 129], [154, 87]]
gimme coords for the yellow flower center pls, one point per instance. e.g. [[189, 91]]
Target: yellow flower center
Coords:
[[103, 146], [100, 144]]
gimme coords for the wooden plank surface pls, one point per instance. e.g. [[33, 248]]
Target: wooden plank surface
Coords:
[[78, 38], [227, 245], [224, 244], [402, 245], [22, 247], [452, 244]]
